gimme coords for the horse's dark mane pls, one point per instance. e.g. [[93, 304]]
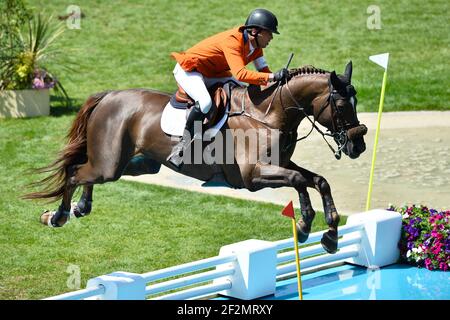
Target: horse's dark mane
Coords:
[[305, 70]]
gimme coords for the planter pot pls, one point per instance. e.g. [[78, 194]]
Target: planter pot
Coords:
[[24, 103]]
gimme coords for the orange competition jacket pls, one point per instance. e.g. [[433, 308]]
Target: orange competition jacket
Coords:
[[223, 55]]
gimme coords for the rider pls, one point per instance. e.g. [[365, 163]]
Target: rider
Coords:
[[219, 58]]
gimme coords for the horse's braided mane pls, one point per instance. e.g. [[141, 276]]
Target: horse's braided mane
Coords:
[[308, 69]]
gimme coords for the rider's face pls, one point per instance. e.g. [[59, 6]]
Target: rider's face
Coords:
[[264, 38]]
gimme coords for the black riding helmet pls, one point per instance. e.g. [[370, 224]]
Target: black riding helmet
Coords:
[[262, 18]]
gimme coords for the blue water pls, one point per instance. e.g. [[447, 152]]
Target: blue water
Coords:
[[348, 282]]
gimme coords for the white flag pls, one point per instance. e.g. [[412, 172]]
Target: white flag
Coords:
[[381, 60]]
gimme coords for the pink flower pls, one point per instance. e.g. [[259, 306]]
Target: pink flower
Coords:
[[38, 83], [439, 236], [434, 234], [437, 248], [428, 263]]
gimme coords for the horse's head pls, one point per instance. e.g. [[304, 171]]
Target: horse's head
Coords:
[[338, 114]]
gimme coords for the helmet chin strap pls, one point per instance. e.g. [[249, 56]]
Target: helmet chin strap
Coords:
[[255, 36]]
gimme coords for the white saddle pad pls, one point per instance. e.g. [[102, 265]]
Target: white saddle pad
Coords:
[[173, 121]]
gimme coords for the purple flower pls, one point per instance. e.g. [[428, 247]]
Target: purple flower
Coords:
[[50, 85], [43, 80]]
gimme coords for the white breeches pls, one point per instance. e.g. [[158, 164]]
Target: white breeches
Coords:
[[195, 85]]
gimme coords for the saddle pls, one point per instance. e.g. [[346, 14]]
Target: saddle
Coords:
[[175, 113], [220, 95]]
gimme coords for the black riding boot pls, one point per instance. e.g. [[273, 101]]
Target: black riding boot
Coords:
[[176, 157]]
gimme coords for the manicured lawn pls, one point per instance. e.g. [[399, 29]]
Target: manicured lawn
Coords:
[[126, 44]]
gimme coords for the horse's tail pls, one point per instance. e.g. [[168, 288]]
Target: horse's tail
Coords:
[[75, 152]]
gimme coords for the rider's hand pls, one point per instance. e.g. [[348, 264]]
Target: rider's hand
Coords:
[[281, 75]]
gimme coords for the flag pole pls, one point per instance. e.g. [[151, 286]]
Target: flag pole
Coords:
[[288, 211], [381, 60], [297, 262]]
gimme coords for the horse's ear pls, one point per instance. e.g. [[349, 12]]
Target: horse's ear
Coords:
[[348, 71], [335, 82]]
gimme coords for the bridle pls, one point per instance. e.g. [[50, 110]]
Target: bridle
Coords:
[[339, 124]]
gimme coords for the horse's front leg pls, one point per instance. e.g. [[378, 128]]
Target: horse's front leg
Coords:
[[270, 176], [330, 238], [307, 215]]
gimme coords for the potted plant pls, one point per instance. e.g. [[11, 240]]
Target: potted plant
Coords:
[[25, 78]]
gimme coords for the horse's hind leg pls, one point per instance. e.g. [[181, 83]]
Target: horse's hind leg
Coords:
[[108, 156], [84, 206], [62, 215], [109, 165], [85, 175]]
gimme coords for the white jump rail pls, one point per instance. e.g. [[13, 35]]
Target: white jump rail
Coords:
[[368, 239]]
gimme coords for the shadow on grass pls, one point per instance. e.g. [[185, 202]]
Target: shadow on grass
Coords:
[[61, 107]]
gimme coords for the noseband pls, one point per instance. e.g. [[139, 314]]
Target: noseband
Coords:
[[339, 124]]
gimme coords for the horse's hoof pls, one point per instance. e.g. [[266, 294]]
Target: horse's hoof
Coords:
[[75, 211], [46, 217], [302, 231], [329, 241]]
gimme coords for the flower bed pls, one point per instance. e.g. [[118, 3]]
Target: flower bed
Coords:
[[425, 239]]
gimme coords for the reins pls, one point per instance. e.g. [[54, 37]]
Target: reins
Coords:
[[243, 112]]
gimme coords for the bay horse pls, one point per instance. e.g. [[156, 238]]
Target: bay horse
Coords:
[[113, 127]]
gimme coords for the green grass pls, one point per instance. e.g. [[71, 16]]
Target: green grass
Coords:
[[133, 227], [126, 44]]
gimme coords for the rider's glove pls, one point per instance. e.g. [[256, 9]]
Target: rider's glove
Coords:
[[281, 75]]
